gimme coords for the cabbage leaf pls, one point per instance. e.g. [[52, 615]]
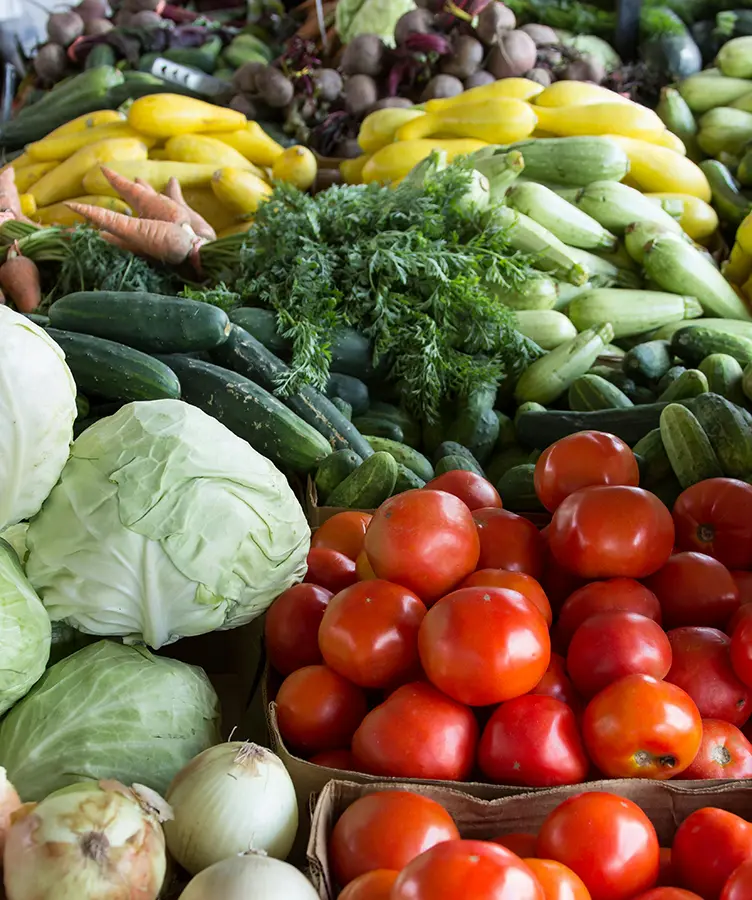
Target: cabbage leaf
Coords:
[[354, 17]]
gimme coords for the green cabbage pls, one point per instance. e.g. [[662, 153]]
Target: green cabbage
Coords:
[[24, 631], [354, 17], [163, 525], [109, 711]]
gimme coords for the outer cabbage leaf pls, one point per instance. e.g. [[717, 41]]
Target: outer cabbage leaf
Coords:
[[109, 711], [165, 524], [37, 409], [354, 17], [24, 631]]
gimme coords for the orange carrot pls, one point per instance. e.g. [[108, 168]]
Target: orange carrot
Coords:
[[9, 199], [19, 279], [146, 202], [167, 242], [198, 223]]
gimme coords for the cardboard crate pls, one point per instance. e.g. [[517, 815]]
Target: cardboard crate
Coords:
[[667, 804]]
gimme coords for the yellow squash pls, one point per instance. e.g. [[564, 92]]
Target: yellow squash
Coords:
[[29, 175], [87, 121], [394, 161], [351, 170], [379, 128], [738, 267], [698, 219], [61, 147], [200, 148], [204, 201], [28, 205], [158, 153], [156, 172], [241, 191], [165, 115], [297, 166], [253, 142], [504, 89], [61, 214], [658, 169], [66, 180], [20, 162], [576, 93], [238, 228], [628, 119], [493, 121], [744, 235], [671, 141]]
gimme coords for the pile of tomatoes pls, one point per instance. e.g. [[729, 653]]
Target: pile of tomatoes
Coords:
[[397, 845], [447, 638]]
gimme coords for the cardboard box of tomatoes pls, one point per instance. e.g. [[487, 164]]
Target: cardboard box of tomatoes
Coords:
[[666, 805]]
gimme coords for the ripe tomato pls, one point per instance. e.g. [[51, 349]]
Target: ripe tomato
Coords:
[[375, 885], [475, 491], [556, 683], [533, 741], [739, 884], [666, 872], [317, 710], [557, 880], [638, 727], [424, 540], [291, 630], [385, 830], [509, 541], [744, 583], [702, 667], [610, 645], [330, 569], [558, 582], [624, 594], [582, 460], [608, 531], [345, 532], [417, 732], [335, 759], [369, 634], [708, 846], [607, 840], [521, 843], [484, 645], [363, 567], [515, 581], [724, 753], [477, 869], [668, 893], [741, 615], [741, 650], [695, 589], [711, 517]]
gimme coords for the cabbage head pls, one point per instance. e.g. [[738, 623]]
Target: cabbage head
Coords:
[[163, 525], [109, 711], [24, 631], [37, 409], [354, 17]]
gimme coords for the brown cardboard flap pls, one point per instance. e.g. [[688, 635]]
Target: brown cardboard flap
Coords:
[[666, 803]]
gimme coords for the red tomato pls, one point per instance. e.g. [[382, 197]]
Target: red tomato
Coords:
[[607, 840], [509, 541], [638, 727], [375, 885], [555, 683], [695, 589], [417, 732], [668, 893], [291, 630], [610, 645], [557, 880], [385, 830], [521, 843], [582, 460], [724, 753], [744, 583], [515, 581], [477, 869], [345, 532], [711, 517], [484, 645], [666, 874], [702, 667], [624, 594], [475, 491], [335, 759], [363, 567], [741, 615], [369, 634], [317, 710], [331, 569], [739, 884], [557, 582], [424, 540], [533, 741], [610, 531], [741, 650], [708, 846]]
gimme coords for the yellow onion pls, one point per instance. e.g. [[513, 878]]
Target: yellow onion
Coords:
[[88, 842], [9, 803], [252, 876]]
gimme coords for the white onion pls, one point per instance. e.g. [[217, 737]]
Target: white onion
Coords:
[[252, 875], [230, 799], [9, 803], [88, 842]]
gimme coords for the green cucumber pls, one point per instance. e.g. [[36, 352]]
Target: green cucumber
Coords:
[[649, 361], [453, 463], [590, 392], [343, 406], [407, 480], [375, 426], [333, 470], [410, 428], [747, 381], [670, 377], [262, 324], [349, 389], [114, 371], [687, 446], [725, 376], [100, 55], [690, 383], [505, 460], [729, 430], [507, 435], [655, 465], [452, 448], [148, 322], [251, 413], [404, 455], [693, 344], [476, 425], [369, 485], [517, 489]]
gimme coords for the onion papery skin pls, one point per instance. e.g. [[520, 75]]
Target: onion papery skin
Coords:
[[250, 877]]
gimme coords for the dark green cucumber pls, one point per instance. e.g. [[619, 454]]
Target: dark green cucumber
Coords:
[[242, 353], [410, 428], [725, 376], [369, 485], [655, 465], [476, 425], [687, 446], [114, 371], [351, 390], [343, 406], [507, 435], [262, 324], [648, 362], [673, 373], [747, 381], [452, 448], [100, 55], [333, 470], [731, 205], [37, 319], [693, 344], [404, 455], [690, 383], [729, 429], [148, 322], [590, 392], [517, 489], [505, 460], [375, 426], [454, 463], [407, 480], [251, 413]]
